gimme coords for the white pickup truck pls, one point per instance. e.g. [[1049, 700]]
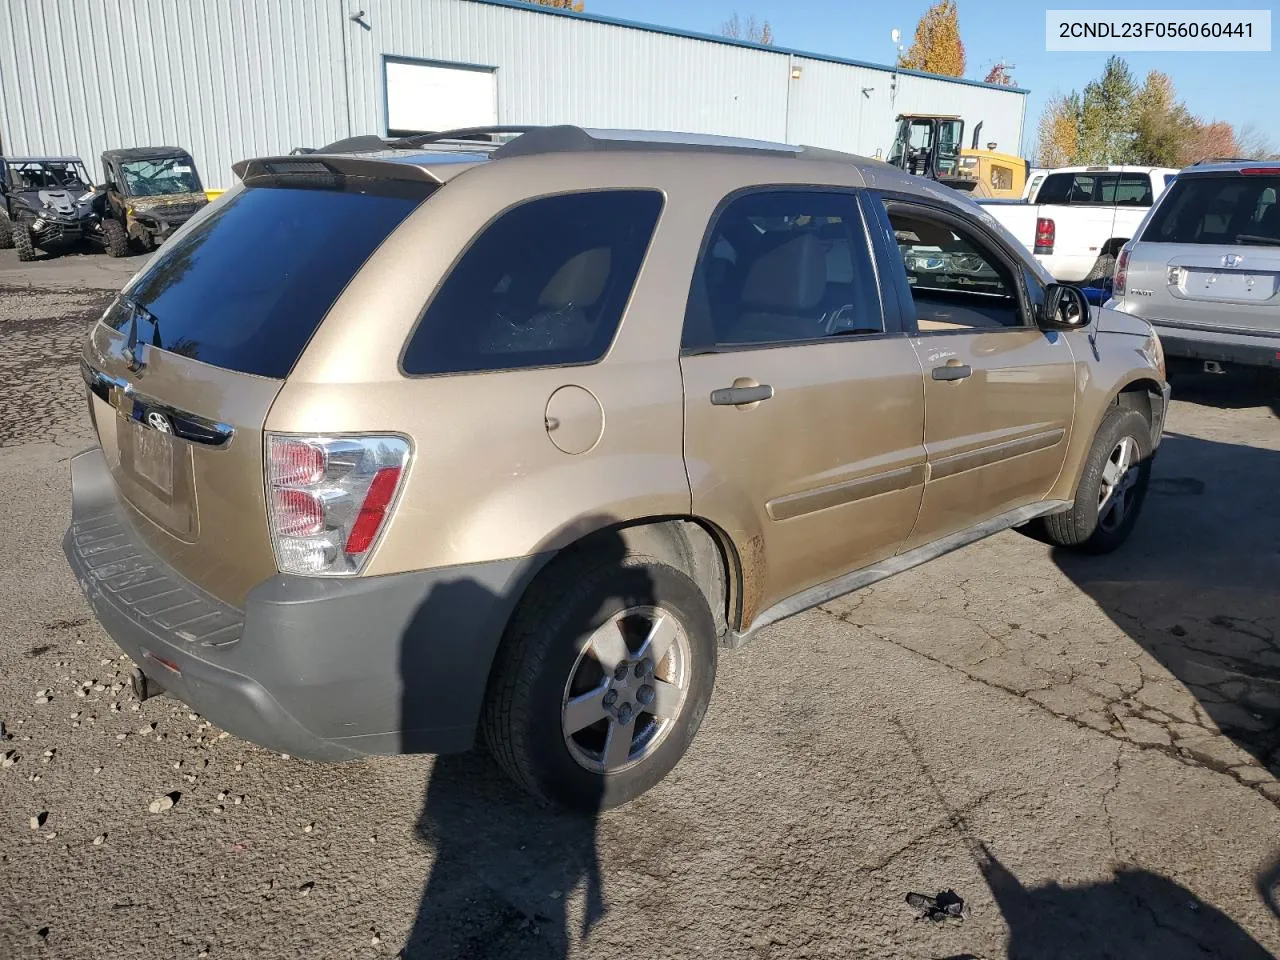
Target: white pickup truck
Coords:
[[1082, 216]]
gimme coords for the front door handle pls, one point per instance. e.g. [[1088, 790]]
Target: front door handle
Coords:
[[952, 371], [741, 394]]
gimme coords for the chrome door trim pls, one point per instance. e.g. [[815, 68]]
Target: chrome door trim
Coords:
[[139, 408], [810, 501]]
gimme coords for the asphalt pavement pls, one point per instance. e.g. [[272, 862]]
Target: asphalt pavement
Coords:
[[1084, 750]]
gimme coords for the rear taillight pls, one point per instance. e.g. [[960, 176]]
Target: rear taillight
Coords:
[[328, 499], [1122, 272], [1045, 233]]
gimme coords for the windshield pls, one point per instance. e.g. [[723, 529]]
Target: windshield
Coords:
[[1219, 210], [49, 175], [915, 139], [153, 178]]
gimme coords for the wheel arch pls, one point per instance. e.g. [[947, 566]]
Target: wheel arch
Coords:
[[1136, 390], [693, 545]]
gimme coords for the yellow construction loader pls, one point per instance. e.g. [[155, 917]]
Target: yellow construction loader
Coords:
[[929, 145]]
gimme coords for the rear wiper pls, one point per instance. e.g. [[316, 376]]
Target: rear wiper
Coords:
[[1255, 239], [137, 310], [856, 332]]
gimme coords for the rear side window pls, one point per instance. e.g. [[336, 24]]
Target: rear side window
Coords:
[[247, 287], [1080, 188], [543, 285], [1133, 190], [1218, 210], [783, 267]]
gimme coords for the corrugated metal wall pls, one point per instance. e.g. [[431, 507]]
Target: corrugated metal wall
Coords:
[[556, 70], [853, 108], [226, 79], [229, 79]]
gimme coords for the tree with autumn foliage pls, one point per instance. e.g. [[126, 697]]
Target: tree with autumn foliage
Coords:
[[1208, 141], [937, 47], [1161, 123], [999, 74], [1059, 132], [577, 6], [1114, 122]]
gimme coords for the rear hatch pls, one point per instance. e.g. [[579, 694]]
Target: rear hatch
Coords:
[[1210, 254], [185, 364]]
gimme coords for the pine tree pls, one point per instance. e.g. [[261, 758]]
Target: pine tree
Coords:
[[1106, 121]]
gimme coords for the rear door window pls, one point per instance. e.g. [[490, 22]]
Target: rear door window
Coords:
[[1218, 210], [249, 284], [784, 267], [545, 284]]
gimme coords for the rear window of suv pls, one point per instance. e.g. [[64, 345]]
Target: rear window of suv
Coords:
[[247, 287], [1218, 210], [545, 284]]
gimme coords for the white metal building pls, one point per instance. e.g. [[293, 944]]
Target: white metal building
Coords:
[[229, 79]]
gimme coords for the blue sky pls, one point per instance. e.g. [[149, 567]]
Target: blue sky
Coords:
[[1236, 87]]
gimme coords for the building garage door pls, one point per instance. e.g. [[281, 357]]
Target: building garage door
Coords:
[[424, 96]]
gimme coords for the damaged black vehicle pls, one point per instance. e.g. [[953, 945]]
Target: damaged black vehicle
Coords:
[[49, 203], [151, 192]]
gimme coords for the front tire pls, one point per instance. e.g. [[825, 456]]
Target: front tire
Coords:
[[115, 239], [1112, 489], [602, 681], [23, 242], [6, 231]]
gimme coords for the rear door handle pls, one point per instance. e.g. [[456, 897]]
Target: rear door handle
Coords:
[[736, 396], [953, 371]]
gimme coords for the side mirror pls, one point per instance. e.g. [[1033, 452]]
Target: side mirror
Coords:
[[1065, 308]]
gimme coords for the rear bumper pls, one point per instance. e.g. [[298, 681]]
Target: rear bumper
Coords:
[[1247, 349], [326, 669]]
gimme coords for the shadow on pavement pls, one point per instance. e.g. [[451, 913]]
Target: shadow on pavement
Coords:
[[505, 866], [1137, 915], [1239, 388], [1198, 586], [1269, 885]]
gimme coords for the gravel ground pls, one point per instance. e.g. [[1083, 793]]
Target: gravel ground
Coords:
[[1085, 751]]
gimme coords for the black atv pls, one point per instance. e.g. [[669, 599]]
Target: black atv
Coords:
[[151, 192], [49, 203]]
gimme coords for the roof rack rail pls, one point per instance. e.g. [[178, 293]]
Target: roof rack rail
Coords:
[[533, 140], [461, 133], [567, 138], [1223, 160]]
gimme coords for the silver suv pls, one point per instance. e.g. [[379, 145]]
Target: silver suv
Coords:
[[1204, 266]]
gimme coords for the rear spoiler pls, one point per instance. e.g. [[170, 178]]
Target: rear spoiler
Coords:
[[332, 172]]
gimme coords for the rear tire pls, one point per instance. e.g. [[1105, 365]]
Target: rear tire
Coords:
[[1112, 488], [6, 231], [554, 673], [23, 242], [116, 240]]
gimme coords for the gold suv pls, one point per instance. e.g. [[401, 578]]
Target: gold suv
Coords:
[[511, 435]]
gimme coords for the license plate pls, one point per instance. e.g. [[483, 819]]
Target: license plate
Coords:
[[153, 458], [1230, 285]]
